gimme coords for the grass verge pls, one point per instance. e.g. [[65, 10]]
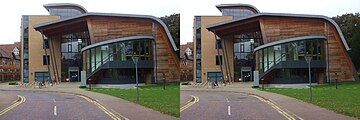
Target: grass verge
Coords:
[[344, 100], [153, 96]]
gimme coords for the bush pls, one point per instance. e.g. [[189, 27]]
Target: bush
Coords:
[[13, 83], [82, 86]]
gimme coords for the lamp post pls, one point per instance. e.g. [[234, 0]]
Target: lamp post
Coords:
[[135, 60], [308, 60]]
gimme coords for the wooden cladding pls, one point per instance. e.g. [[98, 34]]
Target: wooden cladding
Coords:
[[107, 28], [279, 28]]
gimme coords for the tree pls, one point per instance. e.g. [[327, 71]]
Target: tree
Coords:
[[350, 26], [173, 23], [355, 47], [347, 23]]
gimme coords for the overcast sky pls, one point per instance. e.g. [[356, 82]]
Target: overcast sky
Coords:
[[12, 10], [328, 8]]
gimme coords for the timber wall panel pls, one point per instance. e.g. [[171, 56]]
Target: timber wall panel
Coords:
[[279, 28], [106, 28]]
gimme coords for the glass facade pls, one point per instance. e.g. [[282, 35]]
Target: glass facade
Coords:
[[117, 53], [293, 51], [198, 48], [237, 13], [42, 76], [215, 76], [71, 45], [64, 13], [244, 45], [25, 35], [293, 54]]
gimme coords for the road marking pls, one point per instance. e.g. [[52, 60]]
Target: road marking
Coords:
[[20, 100], [227, 100], [55, 110], [54, 100], [190, 103], [278, 109], [229, 112], [106, 111]]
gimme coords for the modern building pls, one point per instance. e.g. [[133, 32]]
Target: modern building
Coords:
[[59, 46], [10, 62], [186, 61], [243, 43]]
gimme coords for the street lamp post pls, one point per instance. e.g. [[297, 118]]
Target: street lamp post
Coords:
[[308, 60], [135, 60]]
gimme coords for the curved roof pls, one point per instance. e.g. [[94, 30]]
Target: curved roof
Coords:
[[115, 41], [48, 6], [237, 5], [114, 15], [287, 15], [288, 41]]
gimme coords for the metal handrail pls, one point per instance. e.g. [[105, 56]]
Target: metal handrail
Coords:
[[278, 59]]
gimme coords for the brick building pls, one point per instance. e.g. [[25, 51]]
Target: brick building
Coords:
[[10, 62]]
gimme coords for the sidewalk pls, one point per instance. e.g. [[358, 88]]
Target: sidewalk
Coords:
[[116, 105], [301, 109]]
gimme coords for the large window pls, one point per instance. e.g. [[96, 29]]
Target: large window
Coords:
[[46, 59], [215, 76], [198, 48], [71, 45], [294, 51], [25, 42], [118, 52], [218, 60], [42, 76], [64, 13], [237, 13], [244, 45]]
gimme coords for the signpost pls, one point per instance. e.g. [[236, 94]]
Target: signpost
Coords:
[[135, 60], [308, 60]]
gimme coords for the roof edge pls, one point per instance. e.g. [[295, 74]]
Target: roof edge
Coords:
[[115, 15], [237, 5], [288, 15], [64, 4]]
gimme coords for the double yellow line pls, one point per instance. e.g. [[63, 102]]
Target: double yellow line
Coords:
[[190, 103], [106, 111], [278, 109], [20, 100]]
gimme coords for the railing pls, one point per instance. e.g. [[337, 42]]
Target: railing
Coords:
[[278, 59]]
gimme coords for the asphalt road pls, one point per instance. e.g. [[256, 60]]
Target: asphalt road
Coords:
[[228, 106], [53, 106]]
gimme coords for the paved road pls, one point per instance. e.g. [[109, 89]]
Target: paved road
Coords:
[[53, 106], [228, 106]]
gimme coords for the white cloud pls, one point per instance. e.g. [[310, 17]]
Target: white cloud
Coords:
[[318, 7], [12, 11]]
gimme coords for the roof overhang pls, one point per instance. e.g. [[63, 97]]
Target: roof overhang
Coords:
[[40, 27], [226, 24]]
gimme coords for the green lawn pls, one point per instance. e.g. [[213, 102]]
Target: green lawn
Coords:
[[344, 100], [166, 101]]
